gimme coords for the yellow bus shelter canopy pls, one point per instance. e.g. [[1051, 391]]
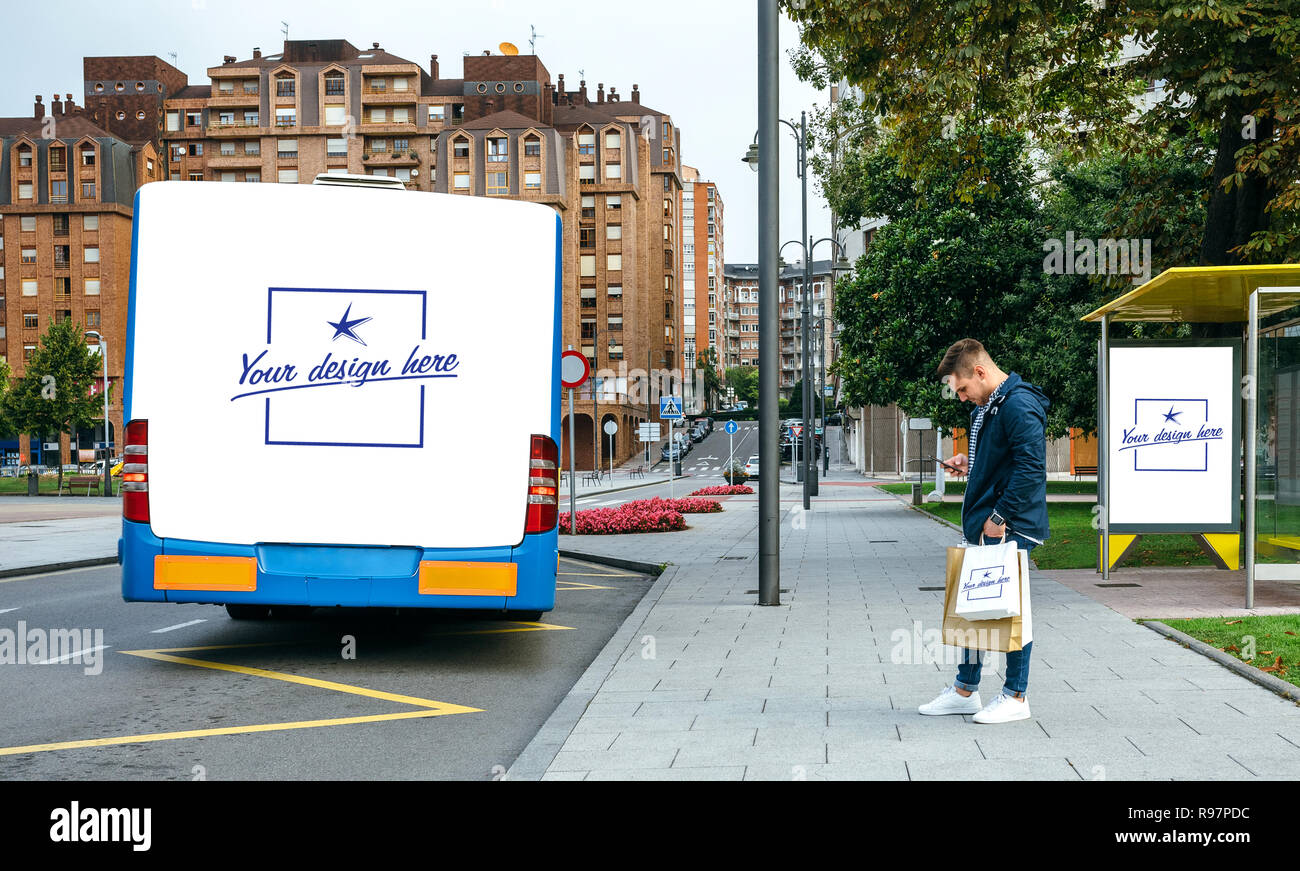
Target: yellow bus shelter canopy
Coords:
[[1206, 295]]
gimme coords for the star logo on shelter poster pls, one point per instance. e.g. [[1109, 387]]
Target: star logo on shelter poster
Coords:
[[1170, 435]]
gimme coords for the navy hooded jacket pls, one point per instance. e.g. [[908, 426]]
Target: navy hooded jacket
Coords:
[[1010, 469]]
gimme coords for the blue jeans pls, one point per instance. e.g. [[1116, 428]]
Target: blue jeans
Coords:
[[1017, 682]]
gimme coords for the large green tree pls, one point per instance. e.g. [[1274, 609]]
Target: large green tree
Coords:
[[1068, 72], [744, 380], [707, 361], [53, 395]]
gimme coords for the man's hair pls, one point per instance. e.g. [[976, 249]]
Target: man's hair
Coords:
[[962, 357]]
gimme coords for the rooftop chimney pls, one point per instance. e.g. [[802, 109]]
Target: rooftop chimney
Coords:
[[68, 105], [228, 59], [56, 106], [374, 46], [559, 87], [636, 94], [491, 105], [600, 92], [487, 53], [582, 91], [613, 94], [257, 52], [39, 110], [433, 66]]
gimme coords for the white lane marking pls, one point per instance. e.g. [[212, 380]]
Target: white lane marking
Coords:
[[7, 610], [75, 653], [181, 625]]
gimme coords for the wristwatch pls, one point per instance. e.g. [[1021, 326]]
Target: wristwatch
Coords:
[[998, 519]]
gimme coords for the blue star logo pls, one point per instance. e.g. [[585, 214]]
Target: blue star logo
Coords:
[[1171, 415], [988, 574], [347, 328]]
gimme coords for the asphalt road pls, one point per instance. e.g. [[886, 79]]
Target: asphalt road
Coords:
[[433, 695]]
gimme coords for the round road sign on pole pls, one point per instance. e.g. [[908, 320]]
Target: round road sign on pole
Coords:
[[574, 369], [610, 427]]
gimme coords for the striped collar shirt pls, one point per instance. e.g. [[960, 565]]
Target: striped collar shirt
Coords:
[[977, 424]]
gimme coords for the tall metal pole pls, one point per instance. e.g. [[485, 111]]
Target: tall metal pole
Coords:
[[1103, 442], [769, 373], [806, 308], [821, 381], [108, 472], [1252, 437]]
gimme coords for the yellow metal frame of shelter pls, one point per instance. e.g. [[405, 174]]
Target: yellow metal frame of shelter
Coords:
[[1199, 294]]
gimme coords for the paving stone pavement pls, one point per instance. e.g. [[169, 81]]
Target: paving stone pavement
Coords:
[[701, 683]]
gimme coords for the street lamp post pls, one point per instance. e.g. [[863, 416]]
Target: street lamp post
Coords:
[[108, 472]]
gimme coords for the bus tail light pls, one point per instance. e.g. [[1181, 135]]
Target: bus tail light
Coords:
[[543, 486], [135, 472]]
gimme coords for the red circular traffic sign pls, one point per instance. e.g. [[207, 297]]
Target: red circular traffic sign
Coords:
[[574, 369]]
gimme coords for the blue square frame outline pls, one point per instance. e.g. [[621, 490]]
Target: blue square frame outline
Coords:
[[1205, 466], [424, 320], [1000, 587]]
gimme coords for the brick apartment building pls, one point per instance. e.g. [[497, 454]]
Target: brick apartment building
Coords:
[[610, 167], [740, 310], [702, 271], [67, 187]]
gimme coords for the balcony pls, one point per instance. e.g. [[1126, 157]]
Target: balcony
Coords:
[[233, 128], [234, 161], [384, 158], [382, 96], [402, 127], [234, 98]]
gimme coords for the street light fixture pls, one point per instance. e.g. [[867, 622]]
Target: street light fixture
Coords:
[[108, 472]]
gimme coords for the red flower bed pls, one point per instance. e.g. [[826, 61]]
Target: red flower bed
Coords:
[[682, 506], [624, 519], [732, 490]]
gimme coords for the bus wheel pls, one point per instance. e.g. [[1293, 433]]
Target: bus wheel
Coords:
[[522, 616], [247, 612]]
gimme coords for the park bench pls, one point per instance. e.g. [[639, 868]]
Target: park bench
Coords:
[[1084, 470], [90, 482]]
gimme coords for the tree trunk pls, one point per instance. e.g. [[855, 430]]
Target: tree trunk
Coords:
[[1232, 217]]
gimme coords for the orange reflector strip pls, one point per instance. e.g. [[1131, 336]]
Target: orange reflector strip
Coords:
[[135, 476], [467, 579], [232, 574]]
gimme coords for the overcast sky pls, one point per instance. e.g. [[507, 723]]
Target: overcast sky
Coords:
[[694, 59]]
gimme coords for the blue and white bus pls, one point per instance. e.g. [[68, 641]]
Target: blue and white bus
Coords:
[[341, 397]]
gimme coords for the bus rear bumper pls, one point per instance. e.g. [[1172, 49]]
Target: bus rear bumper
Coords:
[[520, 578]]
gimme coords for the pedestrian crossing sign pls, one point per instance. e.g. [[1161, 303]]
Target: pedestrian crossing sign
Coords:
[[670, 408]]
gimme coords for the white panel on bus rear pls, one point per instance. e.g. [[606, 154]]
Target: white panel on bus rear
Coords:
[[341, 366]]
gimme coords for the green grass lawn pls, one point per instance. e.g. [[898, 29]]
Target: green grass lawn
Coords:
[[1073, 543], [959, 487], [1274, 638], [47, 484]]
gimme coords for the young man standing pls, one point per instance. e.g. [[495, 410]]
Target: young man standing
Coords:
[[1006, 496]]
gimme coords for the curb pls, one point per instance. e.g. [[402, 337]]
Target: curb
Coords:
[[58, 567], [536, 758], [621, 489], [652, 569], [1249, 672]]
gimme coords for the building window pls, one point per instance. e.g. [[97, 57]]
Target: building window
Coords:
[[226, 119], [29, 255], [31, 321], [497, 151], [27, 223], [29, 287], [613, 262], [615, 290], [227, 176], [335, 116], [533, 181], [286, 117], [92, 255], [250, 86], [588, 297], [173, 122], [178, 151], [614, 202], [252, 176], [336, 147], [193, 119], [532, 147], [92, 318], [252, 146], [460, 148], [91, 287], [401, 146], [58, 160], [613, 231], [586, 143], [401, 83], [287, 149], [587, 265], [334, 84], [252, 118], [196, 149], [196, 176], [24, 190], [587, 237], [588, 207], [615, 323], [438, 113], [498, 183], [227, 149], [587, 173], [287, 176], [401, 116], [378, 116], [613, 140], [285, 86], [462, 181]]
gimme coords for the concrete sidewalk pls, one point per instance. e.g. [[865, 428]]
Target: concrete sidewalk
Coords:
[[57, 531], [702, 683]]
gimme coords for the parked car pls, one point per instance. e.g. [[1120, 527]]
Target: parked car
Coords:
[[671, 451], [835, 419], [751, 466]]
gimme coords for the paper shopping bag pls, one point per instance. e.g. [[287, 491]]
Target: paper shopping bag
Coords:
[[989, 585], [1005, 635]]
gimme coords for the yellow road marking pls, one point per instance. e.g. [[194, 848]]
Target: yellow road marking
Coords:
[[574, 585], [599, 574], [204, 733]]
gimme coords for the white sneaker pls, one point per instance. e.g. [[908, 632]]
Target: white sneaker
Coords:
[[1004, 709], [952, 702]]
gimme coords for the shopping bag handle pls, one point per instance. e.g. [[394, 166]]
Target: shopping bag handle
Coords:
[[1003, 541]]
